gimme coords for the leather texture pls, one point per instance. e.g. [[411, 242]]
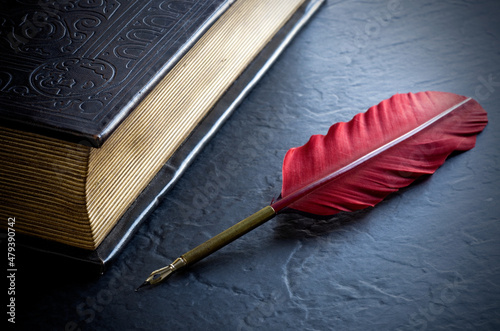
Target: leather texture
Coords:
[[75, 69]]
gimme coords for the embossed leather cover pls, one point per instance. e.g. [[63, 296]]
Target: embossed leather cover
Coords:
[[75, 69], [173, 169]]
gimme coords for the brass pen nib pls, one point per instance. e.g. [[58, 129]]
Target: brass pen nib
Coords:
[[163, 273], [142, 285]]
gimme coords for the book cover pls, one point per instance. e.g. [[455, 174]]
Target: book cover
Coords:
[[75, 69]]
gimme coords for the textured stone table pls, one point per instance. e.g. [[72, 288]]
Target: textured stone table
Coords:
[[427, 258]]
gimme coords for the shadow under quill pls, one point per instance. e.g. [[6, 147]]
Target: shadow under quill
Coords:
[[293, 224], [297, 225]]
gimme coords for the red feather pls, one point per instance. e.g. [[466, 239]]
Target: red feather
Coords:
[[358, 163]]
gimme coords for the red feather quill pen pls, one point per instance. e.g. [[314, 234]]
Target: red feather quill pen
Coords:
[[358, 163]]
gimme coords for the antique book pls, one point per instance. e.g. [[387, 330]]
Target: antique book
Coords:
[[103, 104]]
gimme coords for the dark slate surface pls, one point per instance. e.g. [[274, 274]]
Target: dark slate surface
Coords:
[[427, 258]]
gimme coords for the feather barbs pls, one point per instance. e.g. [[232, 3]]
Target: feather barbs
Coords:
[[358, 163]]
